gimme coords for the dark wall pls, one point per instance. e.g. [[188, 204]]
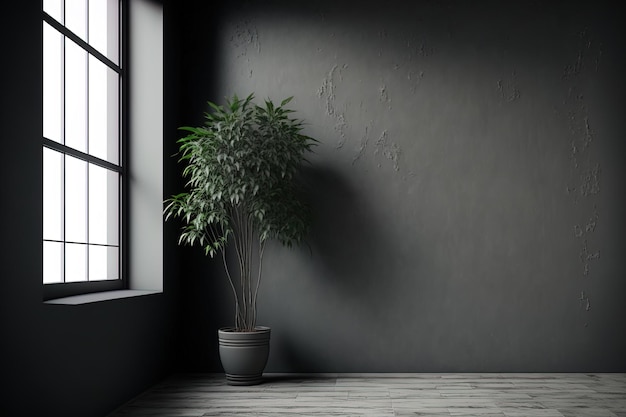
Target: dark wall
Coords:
[[467, 191], [61, 360]]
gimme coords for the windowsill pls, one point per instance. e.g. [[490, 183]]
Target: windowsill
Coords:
[[97, 297]]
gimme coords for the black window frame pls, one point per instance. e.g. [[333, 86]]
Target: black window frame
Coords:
[[66, 289]]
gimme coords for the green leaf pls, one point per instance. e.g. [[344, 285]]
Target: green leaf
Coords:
[[245, 159]]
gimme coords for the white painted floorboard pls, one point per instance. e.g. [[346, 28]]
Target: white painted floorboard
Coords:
[[385, 395]]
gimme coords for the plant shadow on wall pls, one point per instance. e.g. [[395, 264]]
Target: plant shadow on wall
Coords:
[[353, 283]]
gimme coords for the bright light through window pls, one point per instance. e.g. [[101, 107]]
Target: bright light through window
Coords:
[[81, 141]]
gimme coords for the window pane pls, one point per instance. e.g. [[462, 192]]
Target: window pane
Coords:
[[52, 84], [113, 263], [75, 200], [103, 27], [52, 262], [75, 262], [52, 195], [76, 17], [54, 8], [75, 96], [103, 263], [103, 206], [103, 111]]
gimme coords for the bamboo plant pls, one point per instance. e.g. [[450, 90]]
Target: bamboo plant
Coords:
[[241, 171]]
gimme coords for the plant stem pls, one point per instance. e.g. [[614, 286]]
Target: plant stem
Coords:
[[250, 241], [239, 248], [258, 281], [237, 312]]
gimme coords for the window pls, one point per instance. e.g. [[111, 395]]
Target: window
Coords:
[[83, 169]]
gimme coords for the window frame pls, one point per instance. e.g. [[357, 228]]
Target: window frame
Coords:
[[66, 289]]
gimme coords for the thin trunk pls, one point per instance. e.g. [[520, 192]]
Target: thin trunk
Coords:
[[246, 267], [258, 281], [250, 242], [232, 286], [238, 240]]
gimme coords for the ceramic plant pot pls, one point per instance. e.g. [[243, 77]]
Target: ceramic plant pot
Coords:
[[244, 354]]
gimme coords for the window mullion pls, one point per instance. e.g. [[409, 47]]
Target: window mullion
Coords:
[[63, 123], [64, 220], [80, 42], [87, 185], [81, 155]]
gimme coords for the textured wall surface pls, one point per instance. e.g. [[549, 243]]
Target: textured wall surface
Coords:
[[467, 191]]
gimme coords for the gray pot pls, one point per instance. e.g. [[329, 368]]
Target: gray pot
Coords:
[[244, 354]]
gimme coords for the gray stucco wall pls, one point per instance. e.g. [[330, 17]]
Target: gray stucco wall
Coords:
[[467, 191]]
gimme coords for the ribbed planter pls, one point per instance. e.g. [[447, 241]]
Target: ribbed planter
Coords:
[[244, 354]]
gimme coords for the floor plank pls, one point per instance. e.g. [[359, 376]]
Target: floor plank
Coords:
[[386, 395]]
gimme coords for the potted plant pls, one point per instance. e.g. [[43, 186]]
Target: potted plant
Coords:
[[242, 190]]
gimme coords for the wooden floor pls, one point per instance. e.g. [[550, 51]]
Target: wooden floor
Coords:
[[383, 395]]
